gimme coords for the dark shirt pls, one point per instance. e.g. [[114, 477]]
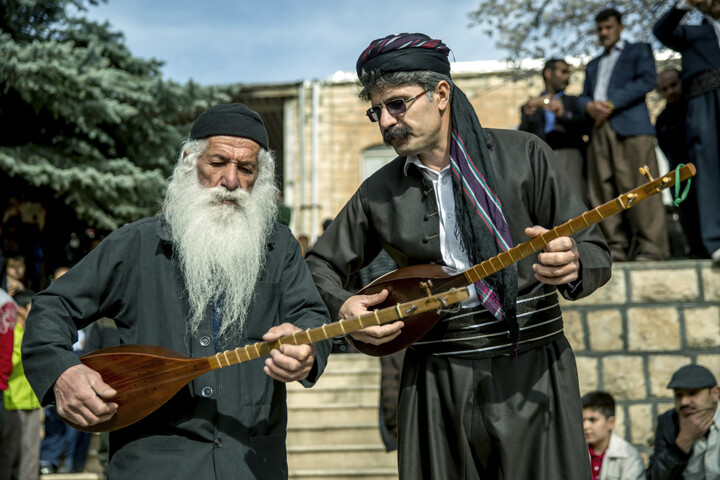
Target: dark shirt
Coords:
[[568, 130], [697, 44], [671, 135], [596, 462]]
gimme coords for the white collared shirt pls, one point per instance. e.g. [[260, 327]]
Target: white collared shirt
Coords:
[[605, 70], [453, 253], [704, 463]]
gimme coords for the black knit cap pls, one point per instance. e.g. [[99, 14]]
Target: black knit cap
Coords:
[[692, 377], [233, 120]]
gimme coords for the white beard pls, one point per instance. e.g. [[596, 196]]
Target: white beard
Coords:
[[221, 248]]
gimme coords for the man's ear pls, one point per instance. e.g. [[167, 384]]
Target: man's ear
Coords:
[[442, 94], [715, 392]]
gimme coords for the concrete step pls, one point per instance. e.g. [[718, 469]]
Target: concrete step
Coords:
[[73, 476], [342, 377], [340, 457], [338, 434], [319, 395], [332, 414], [353, 360], [364, 474]]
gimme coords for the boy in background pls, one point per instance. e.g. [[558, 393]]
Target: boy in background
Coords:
[[15, 268], [611, 457], [20, 454]]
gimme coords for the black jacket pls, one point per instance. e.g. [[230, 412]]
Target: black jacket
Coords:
[[569, 127], [667, 462], [228, 423], [697, 44]]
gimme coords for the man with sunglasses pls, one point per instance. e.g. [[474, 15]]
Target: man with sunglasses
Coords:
[[492, 390]]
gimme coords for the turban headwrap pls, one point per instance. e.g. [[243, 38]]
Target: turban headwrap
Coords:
[[483, 227]]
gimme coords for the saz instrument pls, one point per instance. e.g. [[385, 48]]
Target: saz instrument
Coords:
[[146, 377], [415, 280]]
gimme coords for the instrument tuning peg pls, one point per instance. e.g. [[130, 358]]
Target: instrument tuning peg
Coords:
[[646, 171], [426, 286]]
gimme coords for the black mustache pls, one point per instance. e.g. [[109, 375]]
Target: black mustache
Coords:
[[398, 132]]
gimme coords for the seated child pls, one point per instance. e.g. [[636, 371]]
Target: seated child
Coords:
[[612, 457]]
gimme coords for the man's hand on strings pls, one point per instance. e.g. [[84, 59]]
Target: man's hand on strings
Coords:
[[376, 334], [559, 263], [289, 362], [82, 397]]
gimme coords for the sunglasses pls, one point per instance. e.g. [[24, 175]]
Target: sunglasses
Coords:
[[394, 107]]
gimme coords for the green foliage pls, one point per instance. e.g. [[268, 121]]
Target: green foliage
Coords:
[[561, 28], [84, 117]]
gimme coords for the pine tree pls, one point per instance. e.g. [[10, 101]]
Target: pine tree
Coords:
[[80, 115]]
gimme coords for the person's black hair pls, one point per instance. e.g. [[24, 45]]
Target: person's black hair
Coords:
[[671, 69], [608, 13], [551, 64], [601, 402], [23, 297]]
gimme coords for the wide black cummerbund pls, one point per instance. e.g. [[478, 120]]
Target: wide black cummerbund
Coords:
[[475, 333]]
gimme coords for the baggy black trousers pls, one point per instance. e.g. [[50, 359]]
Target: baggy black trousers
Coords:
[[492, 418]]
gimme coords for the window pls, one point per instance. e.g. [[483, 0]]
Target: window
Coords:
[[373, 158]]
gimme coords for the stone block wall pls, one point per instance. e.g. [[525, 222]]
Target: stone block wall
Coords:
[[650, 319]]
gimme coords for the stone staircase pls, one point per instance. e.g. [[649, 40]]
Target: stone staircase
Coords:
[[333, 429]]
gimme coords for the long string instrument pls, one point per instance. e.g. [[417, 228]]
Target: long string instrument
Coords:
[[413, 281], [146, 377]]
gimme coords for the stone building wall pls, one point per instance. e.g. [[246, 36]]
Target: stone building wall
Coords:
[[630, 336]]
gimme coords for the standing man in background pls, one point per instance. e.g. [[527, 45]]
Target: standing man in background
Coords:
[[622, 139], [558, 119], [699, 46]]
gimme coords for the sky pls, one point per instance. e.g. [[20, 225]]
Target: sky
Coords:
[[215, 42]]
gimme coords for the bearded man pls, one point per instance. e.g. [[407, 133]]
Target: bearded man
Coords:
[[213, 271]]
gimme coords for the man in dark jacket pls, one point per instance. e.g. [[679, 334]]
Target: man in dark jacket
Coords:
[[621, 140], [214, 271], [558, 119], [687, 438], [488, 393], [699, 46]]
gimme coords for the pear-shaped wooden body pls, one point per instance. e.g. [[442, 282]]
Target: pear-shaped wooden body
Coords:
[[404, 284], [145, 377]]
